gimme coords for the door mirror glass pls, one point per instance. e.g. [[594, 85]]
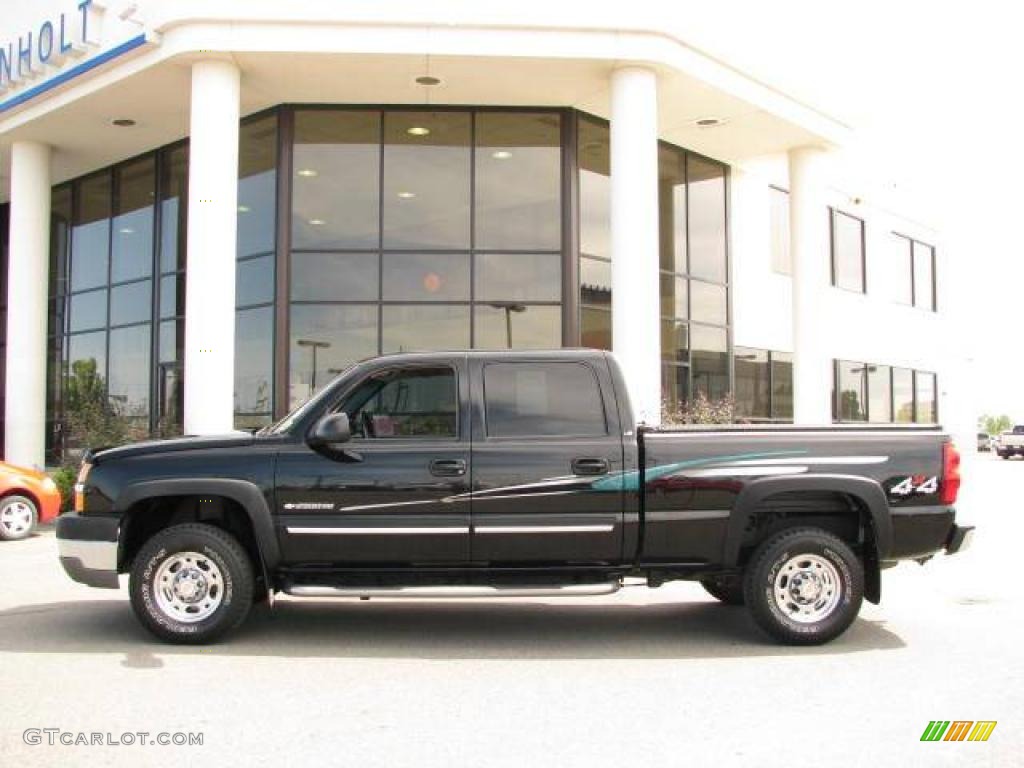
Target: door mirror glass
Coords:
[[331, 430]]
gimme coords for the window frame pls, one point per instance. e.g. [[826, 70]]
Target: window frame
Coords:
[[833, 213]]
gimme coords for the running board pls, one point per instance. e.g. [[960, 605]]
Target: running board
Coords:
[[567, 590]]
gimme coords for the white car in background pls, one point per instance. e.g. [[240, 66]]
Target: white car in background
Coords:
[[1011, 442]]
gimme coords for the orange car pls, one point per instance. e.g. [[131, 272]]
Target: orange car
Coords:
[[28, 497]]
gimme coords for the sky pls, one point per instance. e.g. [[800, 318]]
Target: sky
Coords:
[[933, 93]]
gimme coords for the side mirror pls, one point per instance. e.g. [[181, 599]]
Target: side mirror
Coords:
[[331, 430]]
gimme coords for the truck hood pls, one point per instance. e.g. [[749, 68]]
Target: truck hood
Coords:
[[233, 440]]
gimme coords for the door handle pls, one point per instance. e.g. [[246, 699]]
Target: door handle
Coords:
[[590, 466], [448, 467]]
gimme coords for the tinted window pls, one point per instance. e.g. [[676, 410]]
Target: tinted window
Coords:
[[418, 402], [542, 399], [852, 391]]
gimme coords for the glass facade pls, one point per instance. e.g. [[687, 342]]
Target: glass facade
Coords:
[[764, 385], [882, 394]]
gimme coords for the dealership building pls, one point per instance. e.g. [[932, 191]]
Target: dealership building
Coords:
[[207, 210]]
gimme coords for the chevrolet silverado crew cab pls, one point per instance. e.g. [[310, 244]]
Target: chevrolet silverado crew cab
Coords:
[[508, 474]]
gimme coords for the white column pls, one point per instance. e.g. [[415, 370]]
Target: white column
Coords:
[[809, 246], [636, 326], [27, 281], [212, 222]]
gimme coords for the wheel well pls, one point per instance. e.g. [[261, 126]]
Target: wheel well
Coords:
[[22, 492], [147, 517], [841, 514]]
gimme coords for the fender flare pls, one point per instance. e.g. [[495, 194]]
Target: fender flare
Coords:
[[865, 490], [245, 493]]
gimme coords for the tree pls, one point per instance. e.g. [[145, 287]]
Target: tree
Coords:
[[993, 425]]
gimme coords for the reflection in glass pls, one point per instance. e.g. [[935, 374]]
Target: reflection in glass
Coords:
[[533, 399], [173, 208], [848, 252], [706, 199], [926, 391], [752, 384], [674, 301], [426, 180], [350, 333], [595, 303], [335, 276], [879, 394], [595, 328], [593, 156], [90, 238], [903, 395], [257, 186], [336, 185], [88, 310], [675, 384], [924, 276], [508, 325], [708, 303], [60, 239], [129, 379], [852, 390], [709, 360], [132, 250], [131, 303], [518, 277], [518, 181], [89, 419], [254, 281], [254, 334], [675, 345], [672, 208], [782, 385], [426, 277], [412, 328], [172, 295], [172, 341]]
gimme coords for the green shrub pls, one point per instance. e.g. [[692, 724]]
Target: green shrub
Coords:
[[65, 478]]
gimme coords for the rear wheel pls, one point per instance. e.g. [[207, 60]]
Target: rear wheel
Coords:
[[18, 517], [191, 583], [804, 586], [726, 589]]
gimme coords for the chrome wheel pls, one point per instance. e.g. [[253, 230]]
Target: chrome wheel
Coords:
[[17, 517], [188, 587], [807, 588]]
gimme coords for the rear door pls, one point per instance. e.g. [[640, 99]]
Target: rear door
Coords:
[[547, 462]]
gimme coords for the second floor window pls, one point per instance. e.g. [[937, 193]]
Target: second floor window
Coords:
[[848, 270]]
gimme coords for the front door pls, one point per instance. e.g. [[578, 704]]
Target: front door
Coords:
[[397, 493]]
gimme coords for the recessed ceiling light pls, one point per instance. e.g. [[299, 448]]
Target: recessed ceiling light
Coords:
[[418, 130], [709, 122], [407, 195], [316, 222], [243, 209], [428, 80], [501, 154], [123, 122], [306, 173]]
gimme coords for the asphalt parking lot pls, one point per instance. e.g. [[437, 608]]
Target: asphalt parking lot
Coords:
[[646, 677]]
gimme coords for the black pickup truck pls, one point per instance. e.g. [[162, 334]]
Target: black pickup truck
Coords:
[[510, 474]]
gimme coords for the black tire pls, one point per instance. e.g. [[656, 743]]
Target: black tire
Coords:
[[782, 552], [19, 516], [215, 547], [725, 589], [1003, 455]]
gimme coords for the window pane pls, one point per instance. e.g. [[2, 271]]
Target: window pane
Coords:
[[517, 326], [674, 300], [708, 303], [526, 399], [848, 252], [706, 193], [674, 340], [595, 188], [672, 208], [596, 328], [129, 379], [257, 186], [350, 331], [172, 295], [426, 277], [172, 341], [879, 394], [60, 238], [86, 392], [782, 385], [417, 403], [518, 277], [926, 411], [171, 400], [903, 394], [782, 261], [335, 277], [88, 310], [675, 385], [900, 278], [752, 383], [132, 251], [254, 337], [90, 239], [852, 391], [518, 181], [173, 208], [336, 185], [132, 303], [426, 180], [709, 361], [419, 327], [254, 281], [924, 277]]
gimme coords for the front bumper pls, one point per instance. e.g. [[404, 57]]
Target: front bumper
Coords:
[[960, 538], [88, 549]]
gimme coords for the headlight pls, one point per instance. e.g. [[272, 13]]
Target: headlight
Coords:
[[48, 485]]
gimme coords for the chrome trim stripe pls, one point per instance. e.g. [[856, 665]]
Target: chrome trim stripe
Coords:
[[94, 555], [455, 591], [823, 460], [438, 530], [544, 528]]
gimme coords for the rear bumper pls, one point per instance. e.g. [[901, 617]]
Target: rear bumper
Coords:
[[960, 539], [88, 549]]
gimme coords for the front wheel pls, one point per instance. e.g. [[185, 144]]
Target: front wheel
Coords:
[[18, 517], [191, 583], [804, 586]]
